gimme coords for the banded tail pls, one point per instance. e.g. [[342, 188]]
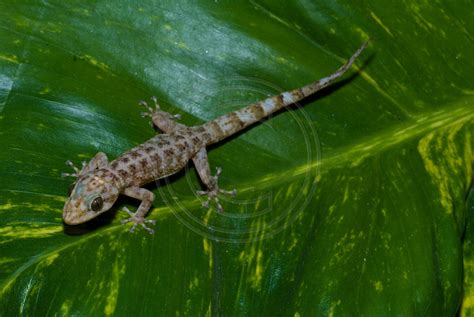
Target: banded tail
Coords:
[[235, 121]]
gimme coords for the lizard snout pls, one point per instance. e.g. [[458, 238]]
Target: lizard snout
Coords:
[[72, 213]]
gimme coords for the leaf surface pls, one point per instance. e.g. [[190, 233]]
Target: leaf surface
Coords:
[[352, 203]]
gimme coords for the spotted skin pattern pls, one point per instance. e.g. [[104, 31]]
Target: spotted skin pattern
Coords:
[[100, 182]]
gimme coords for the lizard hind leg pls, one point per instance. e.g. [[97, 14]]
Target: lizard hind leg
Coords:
[[201, 162], [165, 121]]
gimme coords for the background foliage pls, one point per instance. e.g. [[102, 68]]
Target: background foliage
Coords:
[[352, 205]]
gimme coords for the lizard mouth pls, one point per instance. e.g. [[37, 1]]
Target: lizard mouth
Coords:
[[71, 221]]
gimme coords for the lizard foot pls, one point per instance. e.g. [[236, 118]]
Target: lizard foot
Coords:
[[77, 172], [212, 194], [137, 220], [150, 111]]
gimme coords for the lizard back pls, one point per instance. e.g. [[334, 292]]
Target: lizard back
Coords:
[[160, 156]]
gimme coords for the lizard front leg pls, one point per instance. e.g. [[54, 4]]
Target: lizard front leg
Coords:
[[98, 161], [201, 162], [138, 217]]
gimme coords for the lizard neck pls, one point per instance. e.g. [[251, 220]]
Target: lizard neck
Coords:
[[111, 177]]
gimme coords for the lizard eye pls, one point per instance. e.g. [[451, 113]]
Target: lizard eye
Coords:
[[70, 189], [96, 204]]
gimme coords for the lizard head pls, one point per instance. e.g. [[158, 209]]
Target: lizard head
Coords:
[[93, 194]]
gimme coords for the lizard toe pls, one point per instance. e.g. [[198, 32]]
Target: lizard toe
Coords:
[[137, 220]]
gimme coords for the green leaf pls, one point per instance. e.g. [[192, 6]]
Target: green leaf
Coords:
[[352, 204], [467, 308]]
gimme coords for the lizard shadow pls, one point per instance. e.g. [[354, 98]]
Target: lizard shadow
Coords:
[[327, 91], [93, 224]]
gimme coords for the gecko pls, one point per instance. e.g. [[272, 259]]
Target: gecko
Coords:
[[99, 182]]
